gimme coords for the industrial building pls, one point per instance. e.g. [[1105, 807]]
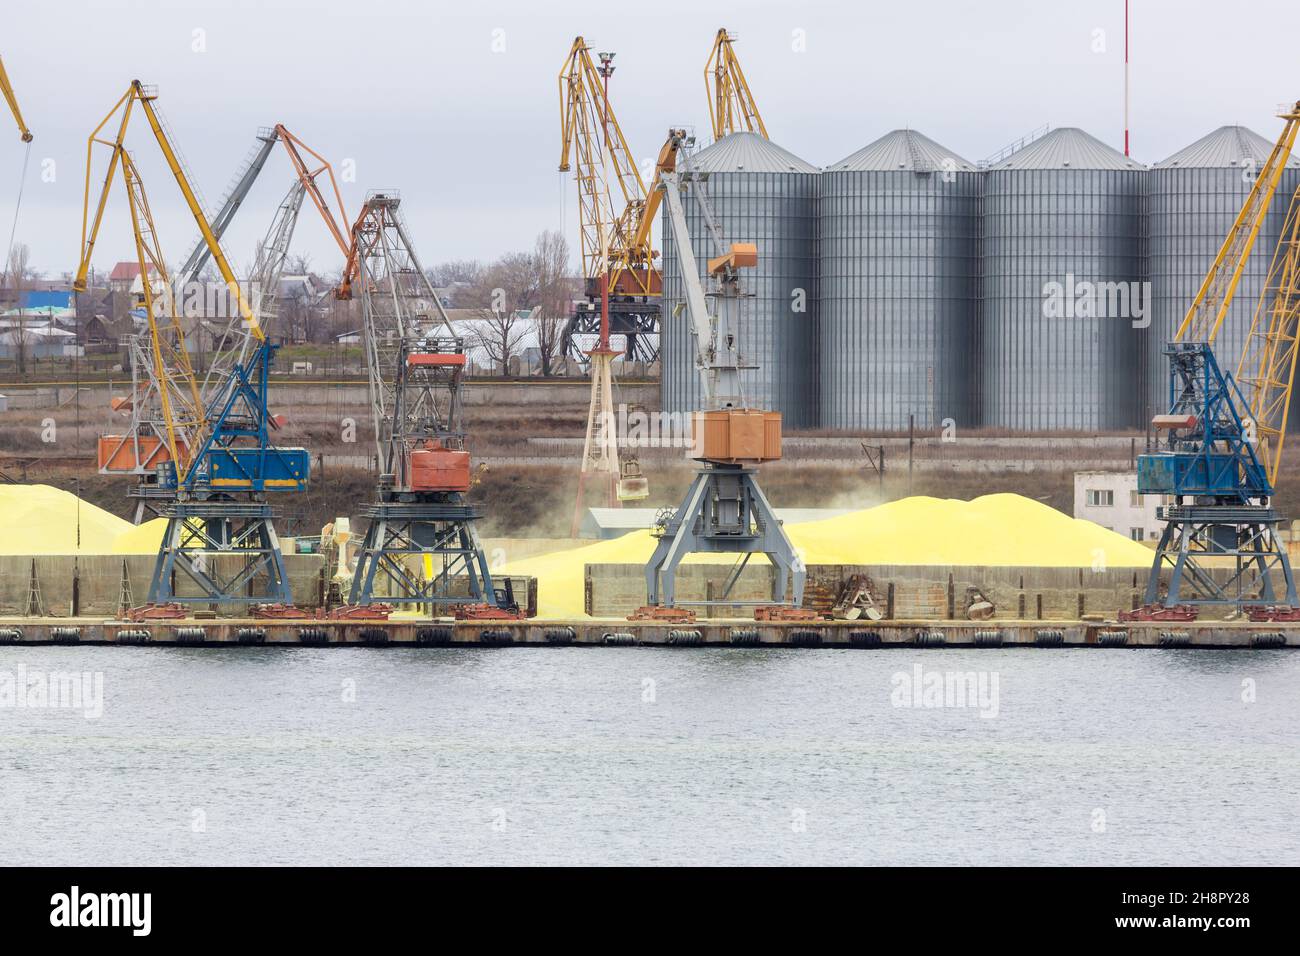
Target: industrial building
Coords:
[[1033, 292]]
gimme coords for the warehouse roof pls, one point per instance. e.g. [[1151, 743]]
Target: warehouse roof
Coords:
[[1067, 148], [1226, 146], [902, 149], [745, 152]]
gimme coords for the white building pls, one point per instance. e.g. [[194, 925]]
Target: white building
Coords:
[[1111, 499]]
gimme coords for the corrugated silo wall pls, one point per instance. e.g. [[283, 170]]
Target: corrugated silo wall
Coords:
[[1191, 210], [899, 266], [1291, 183], [778, 212], [1059, 226]]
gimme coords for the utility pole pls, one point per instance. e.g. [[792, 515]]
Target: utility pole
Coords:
[[911, 449], [1126, 4], [876, 460]]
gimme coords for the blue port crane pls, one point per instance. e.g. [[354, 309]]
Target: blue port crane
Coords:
[[220, 461], [1220, 449]]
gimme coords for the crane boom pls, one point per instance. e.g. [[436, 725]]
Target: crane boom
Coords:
[[1205, 316], [196, 209], [1266, 371], [243, 185], [178, 393], [716, 355], [608, 180], [697, 309], [264, 282], [139, 93], [12, 100], [731, 104], [308, 176]]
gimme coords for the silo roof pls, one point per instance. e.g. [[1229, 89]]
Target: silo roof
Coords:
[[745, 152], [1067, 148], [901, 149], [1226, 146]]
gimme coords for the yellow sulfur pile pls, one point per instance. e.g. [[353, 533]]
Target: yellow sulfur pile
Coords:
[[39, 519], [142, 538], [995, 530]]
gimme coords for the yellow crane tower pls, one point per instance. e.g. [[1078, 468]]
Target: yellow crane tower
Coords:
[[731, 104], [618, 263], [611, 192]]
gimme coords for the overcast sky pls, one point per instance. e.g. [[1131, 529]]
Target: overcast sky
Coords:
[[422, 97]]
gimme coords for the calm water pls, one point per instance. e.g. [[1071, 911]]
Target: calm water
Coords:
[[636, 755]]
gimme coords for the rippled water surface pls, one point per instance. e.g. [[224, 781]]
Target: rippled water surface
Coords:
[[639, 755]]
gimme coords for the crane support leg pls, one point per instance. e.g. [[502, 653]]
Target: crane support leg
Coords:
[[724, 511], [1244, 552], [404, 539], [227, 551]]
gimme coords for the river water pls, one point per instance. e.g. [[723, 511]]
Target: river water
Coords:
[[655, 756]]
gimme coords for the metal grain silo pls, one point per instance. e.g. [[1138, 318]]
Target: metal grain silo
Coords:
[[898, 283], [1062, 257], [759, 193], [1193, 197]]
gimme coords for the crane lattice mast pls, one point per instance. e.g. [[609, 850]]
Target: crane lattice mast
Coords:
[[421, 545], [731, 104], [612, 245]]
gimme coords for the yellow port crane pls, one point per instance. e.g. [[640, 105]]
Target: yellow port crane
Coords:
[[179, 393], [611, 193], [13, 104], [731, 104], [618, 261]]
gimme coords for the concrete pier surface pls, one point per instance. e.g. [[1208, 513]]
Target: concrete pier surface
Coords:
[[1223, 635]]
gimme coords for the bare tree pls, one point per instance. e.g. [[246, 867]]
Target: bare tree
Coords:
[[505, 290], [499, 334], [465, 272], [556, 287], [18, 273]]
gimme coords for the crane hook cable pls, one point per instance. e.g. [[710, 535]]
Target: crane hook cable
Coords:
[[13, 229]]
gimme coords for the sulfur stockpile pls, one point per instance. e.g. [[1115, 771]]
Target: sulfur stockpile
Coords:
[[996, 531], [40, 519]]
